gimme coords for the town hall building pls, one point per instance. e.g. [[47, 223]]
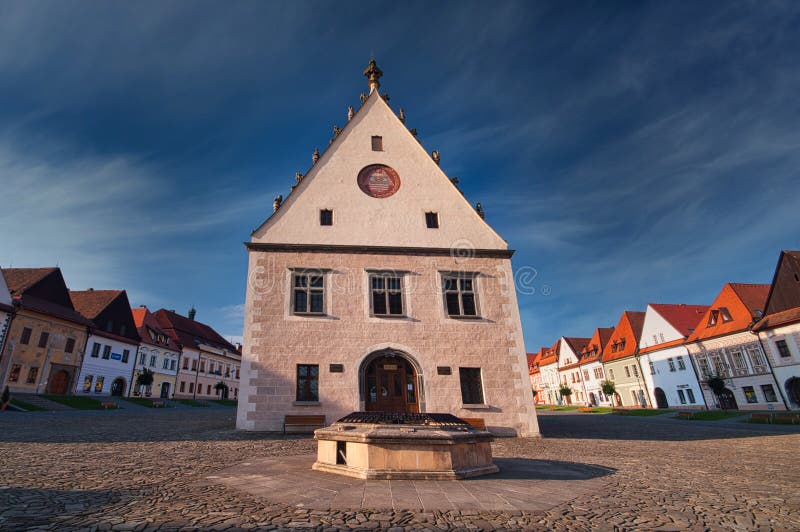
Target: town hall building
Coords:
[[376, 286]]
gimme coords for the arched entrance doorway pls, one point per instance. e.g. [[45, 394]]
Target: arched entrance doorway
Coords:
[[118, 387], [165, 390], [661, 398], [727, 401], [592, 399], [793, 390], [58, 382], [390, 384]]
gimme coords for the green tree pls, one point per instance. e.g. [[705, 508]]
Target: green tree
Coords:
[[717, 385], [145, 378], [609, 388]]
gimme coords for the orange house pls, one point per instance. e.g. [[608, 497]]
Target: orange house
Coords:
[[621, 361]]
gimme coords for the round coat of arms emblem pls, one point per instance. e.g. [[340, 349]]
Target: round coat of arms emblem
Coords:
[[378, 180]]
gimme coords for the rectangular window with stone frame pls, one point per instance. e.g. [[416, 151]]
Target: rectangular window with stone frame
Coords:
[[460, 296], [25, 337], [32, 374], [106, 352], [307, 383], [471, 386], [386, 294], [308, 293], [15, 371], [783, 348]]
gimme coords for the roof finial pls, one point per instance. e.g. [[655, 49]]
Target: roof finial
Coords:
[[315, 156], [373, 74]]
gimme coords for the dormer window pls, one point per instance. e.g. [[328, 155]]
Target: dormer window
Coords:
[[432, 220], [325, 217], [725, 314], [622, 344], [712, 318], [377, 143]]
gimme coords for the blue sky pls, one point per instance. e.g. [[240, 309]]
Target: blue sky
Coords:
[[629, 152]]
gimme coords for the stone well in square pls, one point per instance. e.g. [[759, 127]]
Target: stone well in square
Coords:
[[378, 445]]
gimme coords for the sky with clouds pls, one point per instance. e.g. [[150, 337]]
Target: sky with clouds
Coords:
[[630, 152]]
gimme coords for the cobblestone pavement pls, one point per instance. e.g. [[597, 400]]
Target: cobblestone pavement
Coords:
[[146, 471]]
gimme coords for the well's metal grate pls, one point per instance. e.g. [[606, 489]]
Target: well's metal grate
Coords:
[[393, 418]]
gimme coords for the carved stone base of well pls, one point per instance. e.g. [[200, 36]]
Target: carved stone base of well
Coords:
[[403, 452]]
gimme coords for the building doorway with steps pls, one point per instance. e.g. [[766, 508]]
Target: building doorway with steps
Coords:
[[165, 390]]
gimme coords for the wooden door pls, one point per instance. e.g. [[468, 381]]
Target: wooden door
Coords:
[[59, 382], [391, 386]]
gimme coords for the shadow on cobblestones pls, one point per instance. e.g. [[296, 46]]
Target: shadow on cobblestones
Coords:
[[533, 469], [656, 428]]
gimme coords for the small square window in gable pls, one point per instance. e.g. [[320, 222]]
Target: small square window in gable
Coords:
[[325, 217], [377, 143], [432, 220]]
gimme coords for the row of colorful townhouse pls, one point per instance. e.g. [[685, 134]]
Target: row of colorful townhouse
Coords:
[[90, 342], [667, 356]]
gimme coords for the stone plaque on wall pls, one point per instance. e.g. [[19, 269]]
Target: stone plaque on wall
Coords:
[[443, 370], [336, 368]]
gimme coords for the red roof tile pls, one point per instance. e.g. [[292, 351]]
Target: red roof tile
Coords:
[[629, 328], [90, 303], [741, 302], [594, 349], [779, 318], [20, 279], [42, 290], [145, 322], [550, 354], [190, 332], [683, 317]]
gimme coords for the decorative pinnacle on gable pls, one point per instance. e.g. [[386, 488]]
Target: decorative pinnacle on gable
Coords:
[[374, 74]]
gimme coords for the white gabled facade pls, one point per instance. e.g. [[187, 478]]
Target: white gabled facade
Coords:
[[667, 368], [107, 367]]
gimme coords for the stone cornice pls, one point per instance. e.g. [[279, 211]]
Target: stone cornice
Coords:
[[460, 253]]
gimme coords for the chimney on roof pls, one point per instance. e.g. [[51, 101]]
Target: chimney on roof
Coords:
[[90, 289], [192, 313]]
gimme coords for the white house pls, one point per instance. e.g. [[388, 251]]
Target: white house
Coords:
[[158, 353], [569, 368], [111, 347], [666, 365], [548, 370]]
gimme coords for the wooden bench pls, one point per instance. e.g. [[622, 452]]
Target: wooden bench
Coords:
[[619, 411], [158, 404], [786, 418], [302, 424], [585, 409], [758, 416], [684, 414], [108, 404], [476, 422]]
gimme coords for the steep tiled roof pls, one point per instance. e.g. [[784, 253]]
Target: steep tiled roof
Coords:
[[146, 321], [90, 303], [734, 310], [20, 279], [629, 328], [754, 296], [577, 344], [550, 354], [683, 317], [50, 297], [190, 332], [594, 349], [779, 318]]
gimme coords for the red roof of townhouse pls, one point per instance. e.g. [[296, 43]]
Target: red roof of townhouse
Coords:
[[783, 302], [145, 323], [189, 332], [624, 341], [92, 302], [683, 317], [42, 290], [550, 354], [734, 310], [594, 349], [577, 345]]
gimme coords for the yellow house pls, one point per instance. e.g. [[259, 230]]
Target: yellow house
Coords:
[[46, 338]]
